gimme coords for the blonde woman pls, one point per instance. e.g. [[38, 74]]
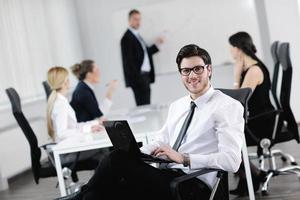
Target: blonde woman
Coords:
[[61, 118]]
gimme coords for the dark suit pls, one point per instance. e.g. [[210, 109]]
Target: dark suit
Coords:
[[84, 103], [132, 57]]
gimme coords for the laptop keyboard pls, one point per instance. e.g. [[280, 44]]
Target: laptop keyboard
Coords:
[[154, 159]]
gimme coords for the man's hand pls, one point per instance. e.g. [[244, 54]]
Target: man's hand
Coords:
[[170, 153], [159, 40]]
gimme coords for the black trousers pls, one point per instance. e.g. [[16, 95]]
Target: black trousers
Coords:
[[120, 176], [142, 92]]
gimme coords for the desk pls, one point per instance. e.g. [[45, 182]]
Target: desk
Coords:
[[144, 122]]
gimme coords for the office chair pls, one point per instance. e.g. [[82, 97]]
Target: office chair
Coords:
[[285, 126], [274, 87], [274, 91], [220, 189], [274, 53], [46, 168], [47, 88]]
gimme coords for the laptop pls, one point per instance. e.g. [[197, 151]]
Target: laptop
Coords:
[[122, 138]]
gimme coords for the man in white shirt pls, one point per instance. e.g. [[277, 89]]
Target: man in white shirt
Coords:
[[203, 130]]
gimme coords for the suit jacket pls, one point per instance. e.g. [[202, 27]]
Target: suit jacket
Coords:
[[84, 103], [132, 57]]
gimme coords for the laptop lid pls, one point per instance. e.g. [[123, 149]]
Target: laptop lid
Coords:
[[121, 136]]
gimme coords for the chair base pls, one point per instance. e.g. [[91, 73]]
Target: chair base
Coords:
[[281, 171]]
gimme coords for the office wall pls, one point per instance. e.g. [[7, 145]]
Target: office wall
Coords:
[[284, 25], [35, 35]]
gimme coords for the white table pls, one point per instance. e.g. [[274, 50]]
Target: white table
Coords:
[[144, 121]]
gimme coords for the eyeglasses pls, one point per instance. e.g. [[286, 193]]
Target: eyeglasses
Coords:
[[197, 70]]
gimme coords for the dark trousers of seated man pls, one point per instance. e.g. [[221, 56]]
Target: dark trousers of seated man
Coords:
[[120, 176]]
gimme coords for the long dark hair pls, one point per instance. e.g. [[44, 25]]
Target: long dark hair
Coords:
[[243, 41], [81, 69]]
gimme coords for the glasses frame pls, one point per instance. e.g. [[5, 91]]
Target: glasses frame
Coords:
[[193, 69]]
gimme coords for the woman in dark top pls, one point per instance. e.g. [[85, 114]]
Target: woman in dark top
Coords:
[[250, 72], [84, 100]]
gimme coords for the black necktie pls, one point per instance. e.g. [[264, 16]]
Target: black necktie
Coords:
[[184, 127]]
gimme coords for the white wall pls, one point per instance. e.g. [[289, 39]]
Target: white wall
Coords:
[[284, 25], [35, 35]]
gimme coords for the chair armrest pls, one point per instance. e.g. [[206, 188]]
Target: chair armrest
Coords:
[[176, 181], [272, 112], [49, 152]]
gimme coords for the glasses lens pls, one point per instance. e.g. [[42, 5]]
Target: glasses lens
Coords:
[[198, 69], [185, 71]]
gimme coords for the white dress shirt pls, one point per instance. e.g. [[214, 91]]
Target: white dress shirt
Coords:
[[105, 105], [64, 120], [214, 138], [146, 62]]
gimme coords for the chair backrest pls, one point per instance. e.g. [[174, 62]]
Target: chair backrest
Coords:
[[287, 118], [242, 95], [27, 130], [47, 89], [274, 53]]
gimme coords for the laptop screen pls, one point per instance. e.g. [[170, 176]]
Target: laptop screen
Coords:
[[121, 136]]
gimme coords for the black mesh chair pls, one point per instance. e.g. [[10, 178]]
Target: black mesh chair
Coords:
[[47, 88], [220, 189], [285, 126], [46, 168]]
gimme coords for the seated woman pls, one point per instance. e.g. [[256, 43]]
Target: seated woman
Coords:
[[84, 100], [62, 122], [61, 118], [249, 71]]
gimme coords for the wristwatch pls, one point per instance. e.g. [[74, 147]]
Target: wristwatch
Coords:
[[186, 160]]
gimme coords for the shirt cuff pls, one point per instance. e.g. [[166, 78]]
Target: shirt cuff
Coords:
[[198, 161]]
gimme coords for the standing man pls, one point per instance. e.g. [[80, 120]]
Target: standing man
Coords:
[[137, 60]]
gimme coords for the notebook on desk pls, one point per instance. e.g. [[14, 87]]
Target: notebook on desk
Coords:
[[122, 138]]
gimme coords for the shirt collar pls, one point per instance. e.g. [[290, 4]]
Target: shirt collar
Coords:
[[134, 31], [203, 98], [89, 85], [62, 97]]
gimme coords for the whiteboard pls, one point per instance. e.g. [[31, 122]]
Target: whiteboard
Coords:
[[205, 23]]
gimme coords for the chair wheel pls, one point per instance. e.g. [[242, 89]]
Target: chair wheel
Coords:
[[264, 193], [294, 163], [283, 159]]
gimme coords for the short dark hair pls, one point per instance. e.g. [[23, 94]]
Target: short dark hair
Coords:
[[81, 69], [132, 12], [191, 50]]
